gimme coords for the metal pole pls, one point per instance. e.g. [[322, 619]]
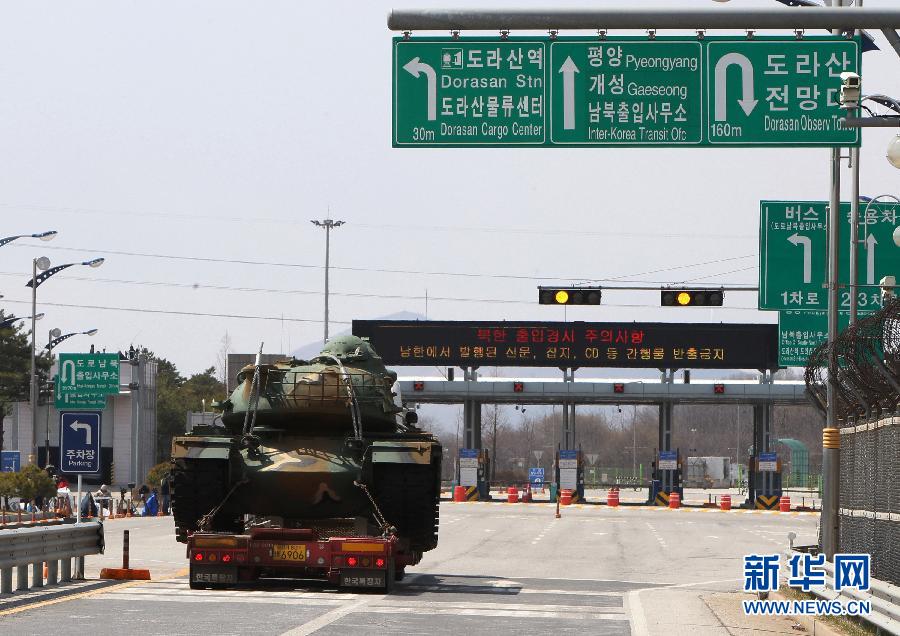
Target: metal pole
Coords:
[[33, 393], [327, 254], [627, 17], [854, 221], [854, 234], [47, 441], [78, 503], [830, 459]]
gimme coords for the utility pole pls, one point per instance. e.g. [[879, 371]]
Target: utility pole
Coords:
[[328, 224]]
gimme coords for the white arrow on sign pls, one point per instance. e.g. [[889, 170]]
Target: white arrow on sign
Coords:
[[64, 377], [747, 102], [806, 242], [568, 70], [414, 67], [870, 258], [81, 426]]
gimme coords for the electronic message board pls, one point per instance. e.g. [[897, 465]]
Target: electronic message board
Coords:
[[651, 345]]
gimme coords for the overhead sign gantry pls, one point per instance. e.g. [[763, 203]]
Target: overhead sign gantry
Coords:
[[621, 91]]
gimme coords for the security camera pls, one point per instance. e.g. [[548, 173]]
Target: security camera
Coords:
[[850, 89]]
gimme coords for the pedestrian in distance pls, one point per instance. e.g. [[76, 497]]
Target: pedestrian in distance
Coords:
[[165, 490], [151, 506]]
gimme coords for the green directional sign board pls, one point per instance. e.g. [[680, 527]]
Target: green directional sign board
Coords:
[[799, 332], [793, 247], [621, 91], [85, 379]]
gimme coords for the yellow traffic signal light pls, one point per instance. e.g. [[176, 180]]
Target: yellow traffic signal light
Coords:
[[691, 297], [569, 295]]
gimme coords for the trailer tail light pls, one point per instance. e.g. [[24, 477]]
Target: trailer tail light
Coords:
[[198, 556], [239, 557], [366, 562], [211, 557], [352, 561], [226, 558], [379, 563]]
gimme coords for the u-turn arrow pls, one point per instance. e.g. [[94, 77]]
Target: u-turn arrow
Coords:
[[747, 102]]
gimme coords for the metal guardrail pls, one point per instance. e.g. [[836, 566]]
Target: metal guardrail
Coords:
[[884, 598], [54, 545]]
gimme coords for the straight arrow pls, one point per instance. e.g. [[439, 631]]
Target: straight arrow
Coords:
[[806, 242], [568, 70], [870, 258], [748, 103], [414, 67]]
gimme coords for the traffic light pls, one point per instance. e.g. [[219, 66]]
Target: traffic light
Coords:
[[691, 297], [569, 295]]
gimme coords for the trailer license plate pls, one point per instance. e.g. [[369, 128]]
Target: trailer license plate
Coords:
[[289, 552], [363, 579]]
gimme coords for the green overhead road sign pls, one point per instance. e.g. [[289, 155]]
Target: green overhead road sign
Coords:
[[621, 91], [85, 379], [799, 332], [793, 246]]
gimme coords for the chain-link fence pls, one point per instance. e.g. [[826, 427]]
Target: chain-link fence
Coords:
[[869, 496], [865, 361]]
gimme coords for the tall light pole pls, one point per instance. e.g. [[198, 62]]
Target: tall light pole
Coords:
[[328, 224], [43, 263], [54, 337]]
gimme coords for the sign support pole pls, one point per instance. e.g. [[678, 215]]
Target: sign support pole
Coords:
[[830, 456], [78, 502]]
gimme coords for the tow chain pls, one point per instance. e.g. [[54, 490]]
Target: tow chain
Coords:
[[206, 519], [379, 518]]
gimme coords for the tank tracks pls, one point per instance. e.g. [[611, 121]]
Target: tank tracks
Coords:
[[198, 486], [409, 498]]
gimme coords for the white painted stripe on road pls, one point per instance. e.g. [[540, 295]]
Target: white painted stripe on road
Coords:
[[330, 617], [222, 598], [392, 603], [636, 614], [501, 613]]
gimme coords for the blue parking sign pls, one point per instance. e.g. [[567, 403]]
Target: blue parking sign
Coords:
[[79, 442], [536, 475]]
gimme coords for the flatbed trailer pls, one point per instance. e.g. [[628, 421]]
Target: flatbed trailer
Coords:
[[219, 560]]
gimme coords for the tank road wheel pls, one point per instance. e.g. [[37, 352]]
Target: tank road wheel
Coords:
[[198, 485]]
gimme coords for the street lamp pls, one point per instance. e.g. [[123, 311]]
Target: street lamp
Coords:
[[43, 263], [10, 321], [54, 338], [44, 236], [328, 224]]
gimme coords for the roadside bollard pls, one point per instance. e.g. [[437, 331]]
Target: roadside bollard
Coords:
[[512, 495], [674, 500], [125, 573], [785, 504], [459, 493], [612, 497], [725, 502]]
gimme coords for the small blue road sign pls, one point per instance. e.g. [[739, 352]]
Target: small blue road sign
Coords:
[[468, 453], [10, 461], [79, 442], [536, 475], [568, 454]]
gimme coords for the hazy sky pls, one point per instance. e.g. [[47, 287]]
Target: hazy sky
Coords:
[[214, 130]]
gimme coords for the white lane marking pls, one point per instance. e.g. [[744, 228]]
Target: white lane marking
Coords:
[[330, 617], [560, 609], [656, 534], [636, 614], [498, 612], [600, 534], [711, 536], [231, 598], [543, 532]]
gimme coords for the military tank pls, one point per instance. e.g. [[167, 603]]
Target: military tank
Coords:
[[322, 445]]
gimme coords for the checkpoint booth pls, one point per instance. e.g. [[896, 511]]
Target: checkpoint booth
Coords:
[[474, 468], [667, 478], [765, 474], [570, 473]]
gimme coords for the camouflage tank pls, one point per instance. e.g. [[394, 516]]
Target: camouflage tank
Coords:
[[321, 444]]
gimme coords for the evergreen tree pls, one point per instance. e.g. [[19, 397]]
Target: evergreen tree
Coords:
[[15, 365]]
